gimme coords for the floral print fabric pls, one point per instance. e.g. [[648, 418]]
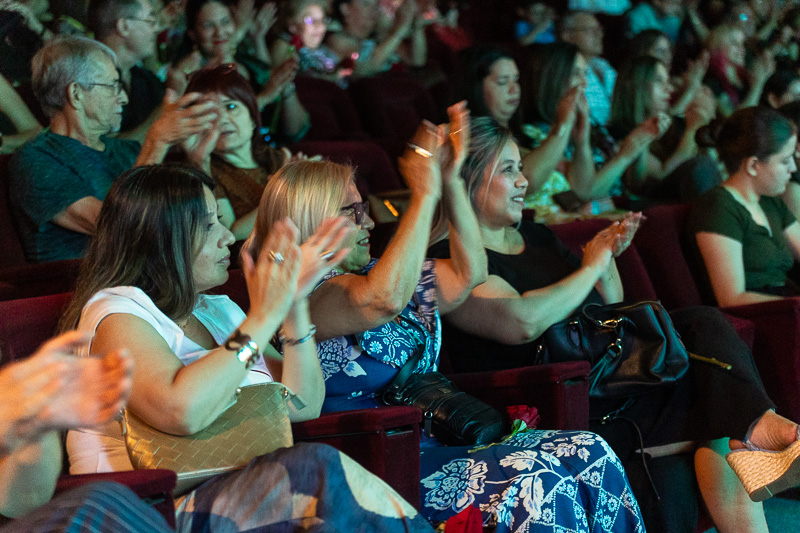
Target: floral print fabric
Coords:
[[560, 481], [565, 481]]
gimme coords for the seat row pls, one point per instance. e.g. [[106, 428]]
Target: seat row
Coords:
[[386, 440]]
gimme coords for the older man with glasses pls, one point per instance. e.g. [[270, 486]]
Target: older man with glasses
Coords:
[[60, 178], [585, 31], [129, 28]]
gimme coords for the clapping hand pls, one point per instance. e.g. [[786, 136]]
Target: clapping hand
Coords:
[[625, 231], [272, 277], [181, 118], [454, 152], [325, 249], [55, 390], [419, 165]]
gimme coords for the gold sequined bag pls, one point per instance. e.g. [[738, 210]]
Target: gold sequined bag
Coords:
[[255, 424]]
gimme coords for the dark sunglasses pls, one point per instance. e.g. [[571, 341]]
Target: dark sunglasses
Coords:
[[360, 209]]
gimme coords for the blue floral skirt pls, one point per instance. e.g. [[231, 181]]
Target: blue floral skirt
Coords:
[[565, 481]]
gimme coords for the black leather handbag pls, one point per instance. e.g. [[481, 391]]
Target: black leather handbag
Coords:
[[454, 417], [633, 348]]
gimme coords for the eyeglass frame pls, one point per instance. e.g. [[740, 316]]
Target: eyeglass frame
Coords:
[[152, 21], [360, 210], [311, 21], [117, 86]]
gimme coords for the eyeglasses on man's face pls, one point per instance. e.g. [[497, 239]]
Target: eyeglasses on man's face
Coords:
[[311, 21], [116, 86], [151, 21]]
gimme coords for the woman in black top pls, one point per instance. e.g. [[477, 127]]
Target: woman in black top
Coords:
[[534, 283]]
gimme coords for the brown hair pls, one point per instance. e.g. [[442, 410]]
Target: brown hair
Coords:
[[145, 238], [225, 79], [753, 131]]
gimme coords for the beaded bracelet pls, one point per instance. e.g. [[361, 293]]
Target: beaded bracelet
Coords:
[[286, 341]]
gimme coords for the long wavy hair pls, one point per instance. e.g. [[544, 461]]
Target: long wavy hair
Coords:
[[630, 101], [307, 192], [145, 238], [545, 78]]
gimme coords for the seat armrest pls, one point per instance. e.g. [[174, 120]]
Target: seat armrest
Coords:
[[560, 391], [153, 486], [358, 421]]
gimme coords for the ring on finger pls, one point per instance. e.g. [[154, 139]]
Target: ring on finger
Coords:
[[455, 132], [276, 257], [420, 150], [326, 255]]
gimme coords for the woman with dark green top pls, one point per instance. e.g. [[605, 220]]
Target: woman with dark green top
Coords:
[[743, 234]]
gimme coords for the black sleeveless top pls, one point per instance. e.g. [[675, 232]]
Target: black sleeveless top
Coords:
[[545, 260]]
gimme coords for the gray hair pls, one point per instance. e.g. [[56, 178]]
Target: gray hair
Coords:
[[62, 61]]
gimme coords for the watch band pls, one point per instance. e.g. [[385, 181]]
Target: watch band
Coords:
[[246, 350]]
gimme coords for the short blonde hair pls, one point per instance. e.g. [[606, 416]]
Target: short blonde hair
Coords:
[[307, 192]]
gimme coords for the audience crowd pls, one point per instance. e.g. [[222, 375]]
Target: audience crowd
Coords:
[[159, 145]]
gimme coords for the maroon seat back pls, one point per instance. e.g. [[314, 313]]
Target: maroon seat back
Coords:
[[13, 255], [374, 170], [636, 282], [25, 324], [659, 242], [41, 279], [391, 107], [333, 116]]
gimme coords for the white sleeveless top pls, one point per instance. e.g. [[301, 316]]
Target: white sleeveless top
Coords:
[[103, 450]]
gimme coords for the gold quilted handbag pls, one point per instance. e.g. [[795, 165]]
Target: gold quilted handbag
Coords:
[[257, 423]]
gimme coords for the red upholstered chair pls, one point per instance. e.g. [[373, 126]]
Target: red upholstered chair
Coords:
[[391, 106], [13, 255], [333, 116], [375, 172], [38, 279], [635, 276], [776, 346], [635, 280]]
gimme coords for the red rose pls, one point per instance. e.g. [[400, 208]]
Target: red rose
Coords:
[[529, 415], [296, 41]]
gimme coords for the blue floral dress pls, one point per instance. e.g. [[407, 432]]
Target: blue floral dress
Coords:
[[564, 481]]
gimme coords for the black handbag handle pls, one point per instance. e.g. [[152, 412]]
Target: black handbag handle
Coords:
[[409, 366]]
